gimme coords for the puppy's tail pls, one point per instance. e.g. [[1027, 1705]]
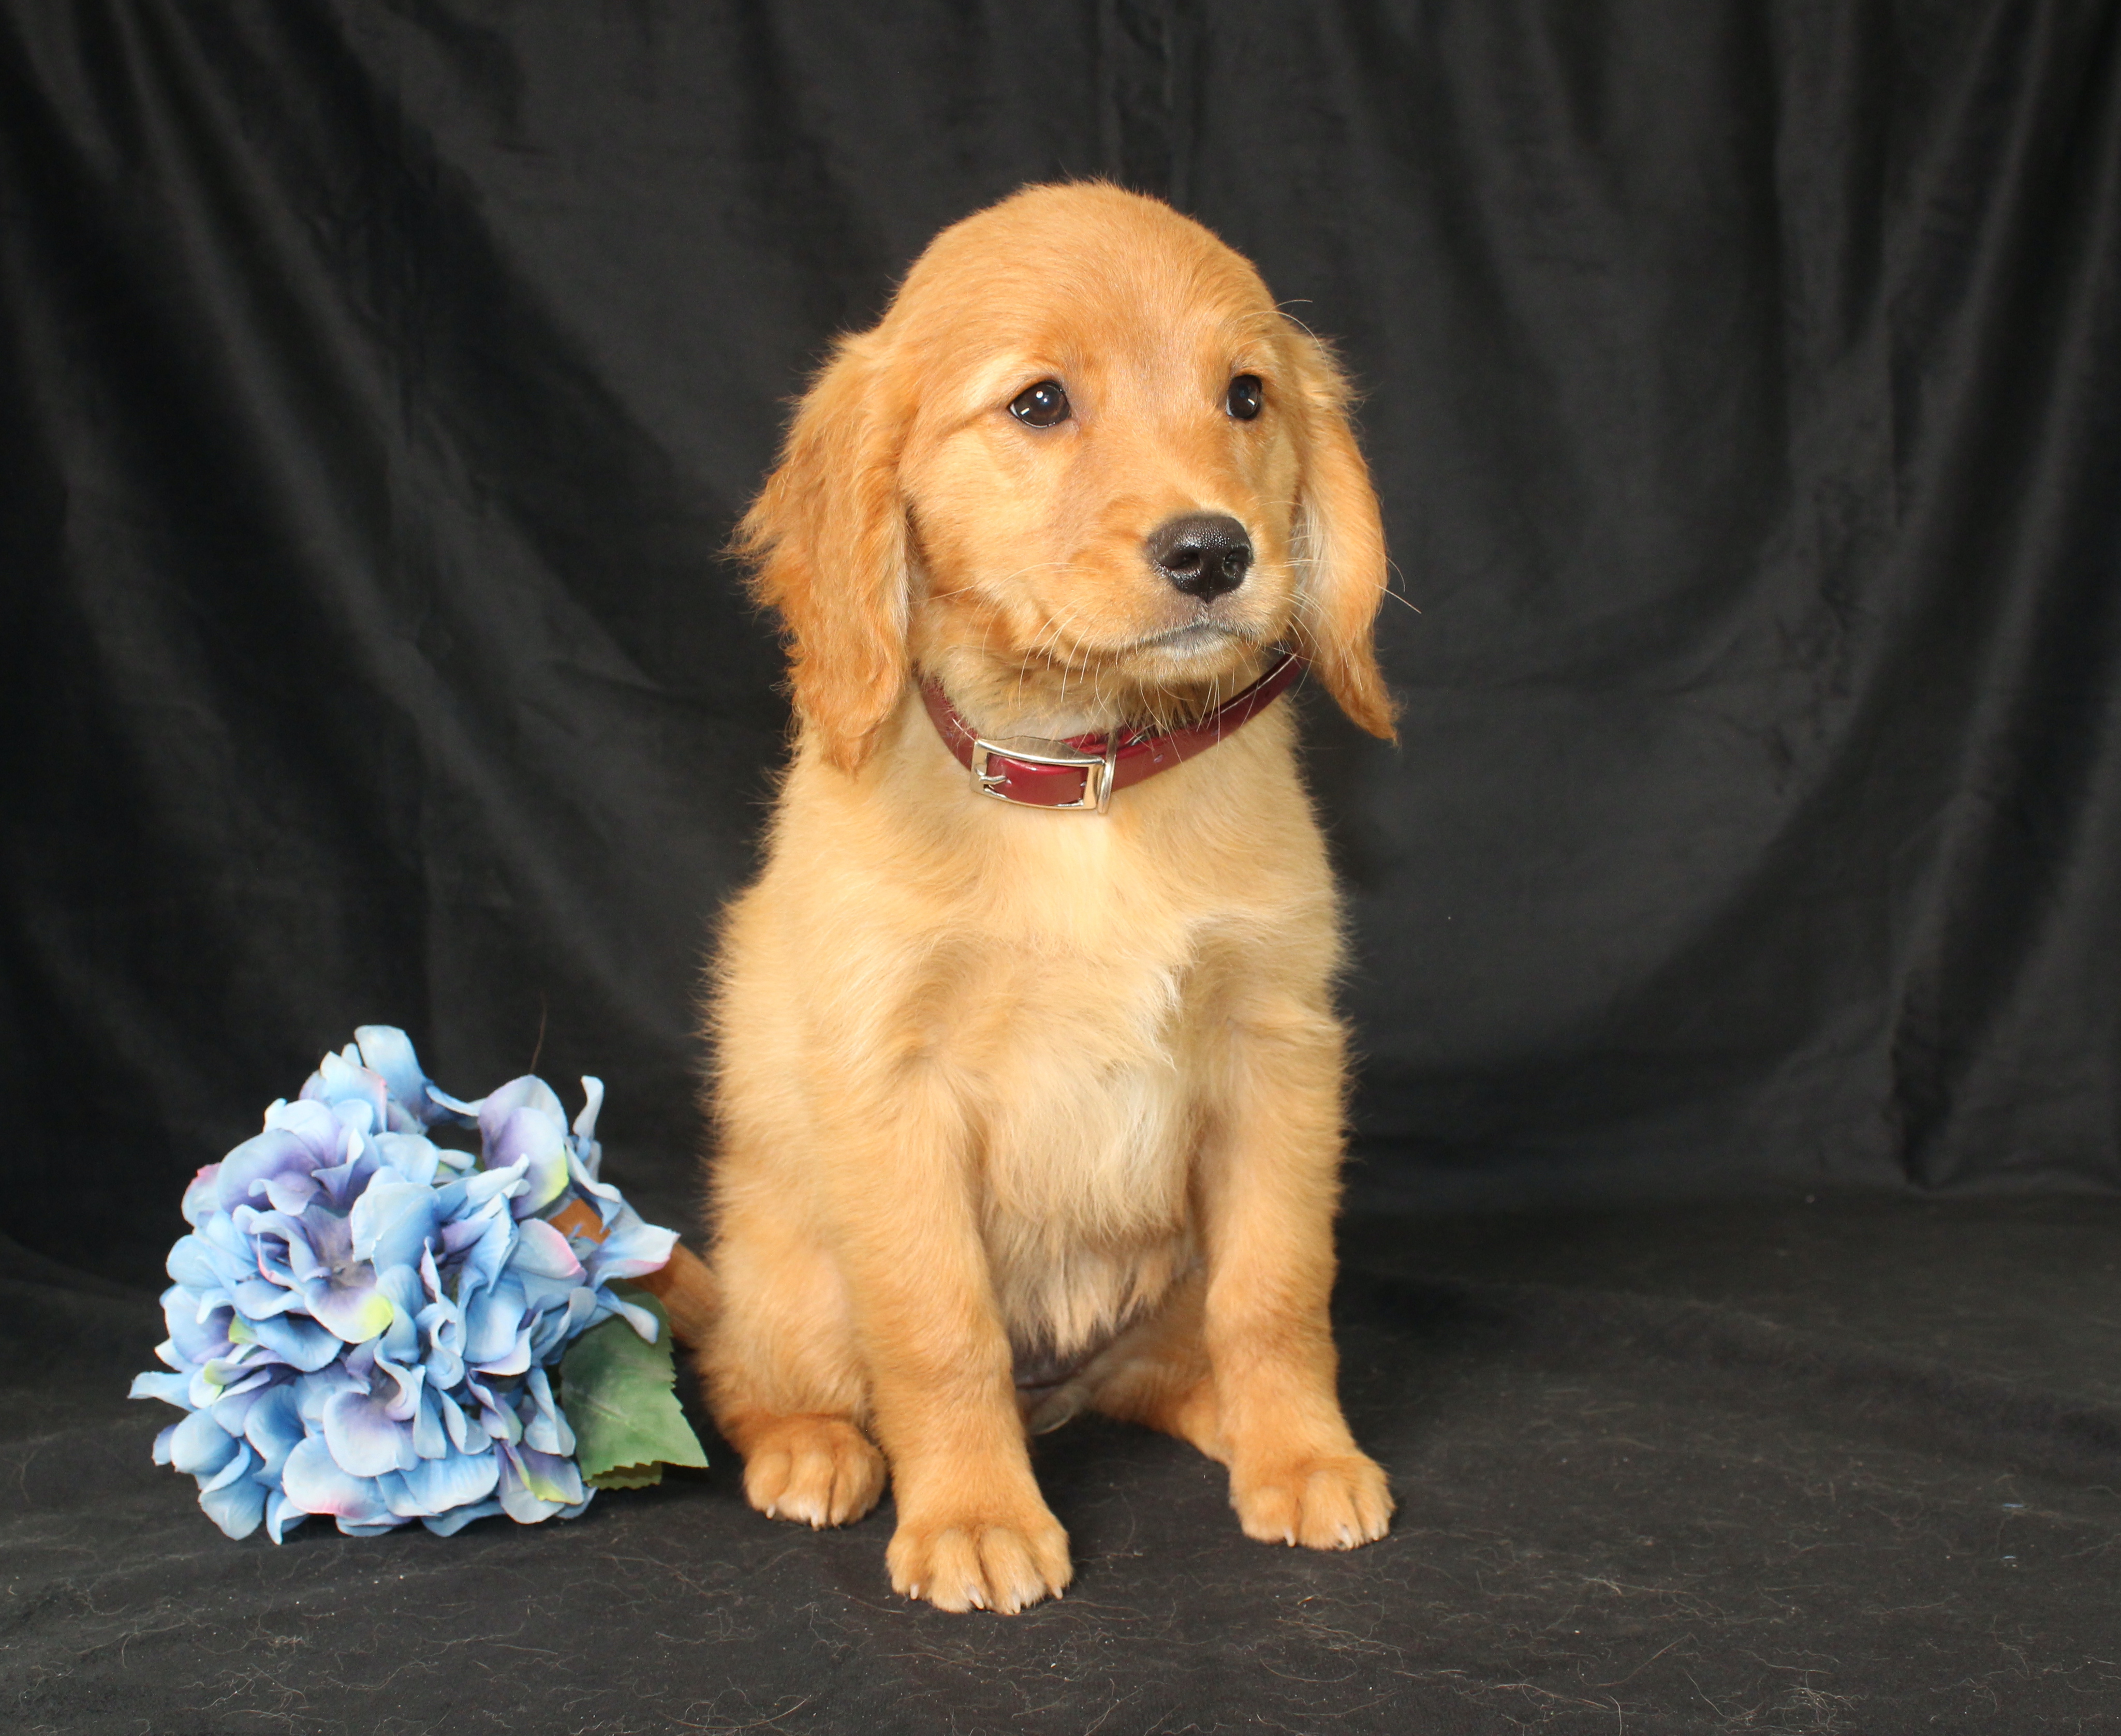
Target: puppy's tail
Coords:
[[685, 1288]]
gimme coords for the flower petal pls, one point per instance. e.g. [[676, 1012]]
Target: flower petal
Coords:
[[548, 1431], [281, 1516], [391, 1222], [343, 1183], [242, 1173], [401, 1402], [463, 1199], [201, 1446], [442, 1326], [241, 1463], [593, 1101], [292, 1193], [430, 1438], [629, 1248], [388, 1053], [556, 1326], [464, 1438], [533, 1136], [300, 1342], [223, 1375], [316, 1484], [498, 1420], [491, 1319], [201, 1195], [534, 1485], [640, 1319], [497, 1107], [235, 1500], [274, 1428], [196, 1333], [448, 1524], [435, 1485], [340, 1079], [231, 1409], [364, 1439], [169, 1389], [261, 1299], [192, 1263], [517, 1359], [313, 1392], [320, 1132], [356, 1312], [581, 1165], [414, 1155], [542, 1250], [455, 1105]]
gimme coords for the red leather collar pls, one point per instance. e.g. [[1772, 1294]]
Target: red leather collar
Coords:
[[1083, 771]]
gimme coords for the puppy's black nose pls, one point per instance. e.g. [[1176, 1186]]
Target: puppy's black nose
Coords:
[[1203, 554]]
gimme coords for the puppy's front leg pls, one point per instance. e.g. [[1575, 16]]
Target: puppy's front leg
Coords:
[[1269, 1183], [973, 1530]]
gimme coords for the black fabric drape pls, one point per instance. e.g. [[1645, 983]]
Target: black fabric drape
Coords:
[[378, 384]]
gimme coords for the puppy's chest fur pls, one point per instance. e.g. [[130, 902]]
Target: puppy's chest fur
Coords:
[[1087, 1040]]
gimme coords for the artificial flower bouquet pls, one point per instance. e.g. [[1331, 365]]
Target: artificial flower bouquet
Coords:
[[369, 1324]]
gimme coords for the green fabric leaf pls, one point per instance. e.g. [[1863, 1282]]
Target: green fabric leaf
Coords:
[[627, 1476], [616, 1393]]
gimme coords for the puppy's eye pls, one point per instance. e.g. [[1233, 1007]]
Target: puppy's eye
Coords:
[[1244, 400], [1041, 405]]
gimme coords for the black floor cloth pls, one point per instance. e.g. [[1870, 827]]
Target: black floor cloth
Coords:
[[1846, 1466]]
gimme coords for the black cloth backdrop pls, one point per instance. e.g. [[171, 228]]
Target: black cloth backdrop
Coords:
[[378, 384], [1743, 387]]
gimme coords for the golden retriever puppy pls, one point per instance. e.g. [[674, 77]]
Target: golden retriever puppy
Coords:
[[1030, 1104]]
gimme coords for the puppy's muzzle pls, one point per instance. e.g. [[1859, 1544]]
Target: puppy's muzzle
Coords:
[[1203, 554]]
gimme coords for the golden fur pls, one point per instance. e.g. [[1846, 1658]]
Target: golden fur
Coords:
[[997, 1086]]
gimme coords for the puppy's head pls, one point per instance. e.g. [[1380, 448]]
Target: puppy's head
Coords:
[[1083, 469]]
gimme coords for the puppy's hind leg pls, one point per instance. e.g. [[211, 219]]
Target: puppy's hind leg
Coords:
[[1156, 1373], [781, 1372]]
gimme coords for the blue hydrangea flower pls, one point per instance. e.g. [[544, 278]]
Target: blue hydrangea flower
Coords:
[[362, 1321]]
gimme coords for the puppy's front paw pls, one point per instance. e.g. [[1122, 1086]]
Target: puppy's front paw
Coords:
[[1336, 1501], [974, 1560], [816, 1470]]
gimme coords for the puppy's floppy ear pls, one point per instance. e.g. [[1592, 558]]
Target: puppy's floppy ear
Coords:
[[1340, 544], [828, 536]]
